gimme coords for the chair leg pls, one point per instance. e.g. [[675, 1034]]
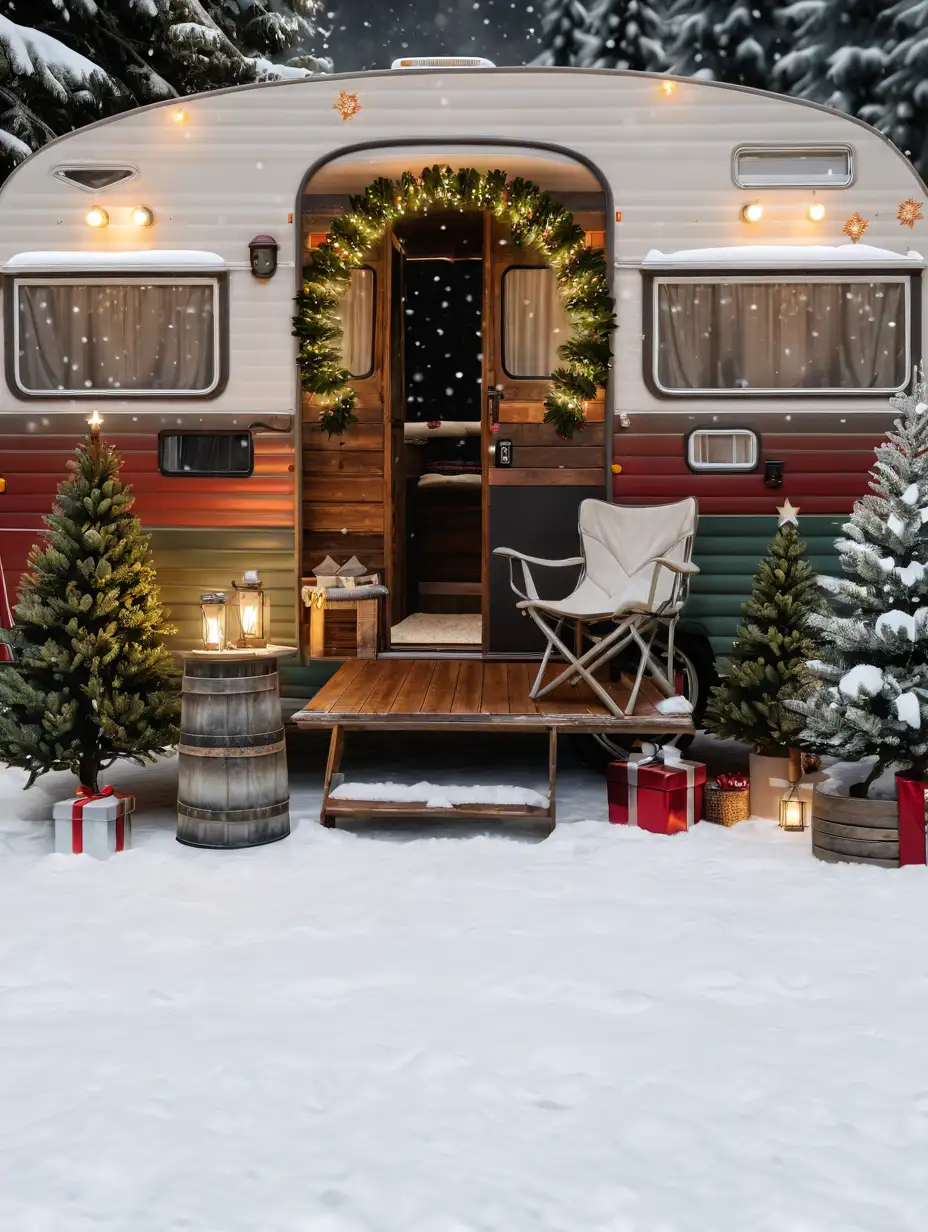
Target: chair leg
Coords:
[[575, 666], [533, 692]]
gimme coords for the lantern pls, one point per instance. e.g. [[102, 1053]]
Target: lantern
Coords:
[[213, 610], [254, 611], [792, 810]]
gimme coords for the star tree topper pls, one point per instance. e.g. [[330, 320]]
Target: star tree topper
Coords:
[[347, 105], [788, 513]]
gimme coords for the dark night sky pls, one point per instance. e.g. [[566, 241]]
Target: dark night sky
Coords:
[[372, 33]]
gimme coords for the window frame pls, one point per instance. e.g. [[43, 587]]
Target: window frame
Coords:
[[363, 376], [911, 279], [217, 281], [834, 147], [723, 468], [207, 432], [502, 321], [61, 173]]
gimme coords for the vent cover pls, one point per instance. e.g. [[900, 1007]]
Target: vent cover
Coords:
[[442, 62], [94, 179]]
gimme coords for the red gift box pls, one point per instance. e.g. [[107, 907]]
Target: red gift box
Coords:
[[97, 825], [655, 796], [912, 798]]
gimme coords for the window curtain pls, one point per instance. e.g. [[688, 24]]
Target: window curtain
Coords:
[[355, 312], [535, 322], [116, 336], [781, 335]]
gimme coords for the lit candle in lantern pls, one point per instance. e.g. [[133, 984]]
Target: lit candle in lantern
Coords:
[[213, 610], [253, 611]]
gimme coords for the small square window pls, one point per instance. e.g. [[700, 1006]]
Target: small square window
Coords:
[[722, 449], [206, 453]]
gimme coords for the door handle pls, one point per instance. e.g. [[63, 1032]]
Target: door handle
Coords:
[[494, 398]]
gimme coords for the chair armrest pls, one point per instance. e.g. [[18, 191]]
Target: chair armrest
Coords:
[[677, 566], [512, 554]]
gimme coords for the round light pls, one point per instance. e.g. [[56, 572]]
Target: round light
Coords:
[[96, 216], [668, 87], [816, 211], [179, 115], [753, 212], [142, 216]]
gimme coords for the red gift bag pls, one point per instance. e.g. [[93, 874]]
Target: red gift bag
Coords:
[[910, 796]]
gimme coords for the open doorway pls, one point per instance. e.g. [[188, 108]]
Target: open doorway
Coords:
[[438, 479]]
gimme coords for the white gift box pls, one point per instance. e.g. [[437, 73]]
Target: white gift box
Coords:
[[98, 826]]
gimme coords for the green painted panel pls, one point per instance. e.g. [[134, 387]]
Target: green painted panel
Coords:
[[728, 551], [191, 561]]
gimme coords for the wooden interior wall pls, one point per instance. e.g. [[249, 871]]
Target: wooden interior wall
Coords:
[[343, 476], [539, 455]]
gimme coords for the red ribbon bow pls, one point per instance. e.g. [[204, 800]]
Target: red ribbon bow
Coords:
[[732, 782], [87, 794]]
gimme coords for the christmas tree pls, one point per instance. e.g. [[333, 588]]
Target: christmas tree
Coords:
[[728, 40], [86, 59], [563, 33], [92, 681], [901, 108], [872, 699], [625, 34], [773, 643]]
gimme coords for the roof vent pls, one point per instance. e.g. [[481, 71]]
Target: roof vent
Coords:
[[442, 62]]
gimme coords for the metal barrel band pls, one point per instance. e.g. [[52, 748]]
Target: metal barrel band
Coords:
[[246, 740], [221, 686], [262, 750], [219, 816]]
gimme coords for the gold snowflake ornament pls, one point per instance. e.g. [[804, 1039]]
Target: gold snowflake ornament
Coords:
[[855, 227], [347, 105], [910, 212]]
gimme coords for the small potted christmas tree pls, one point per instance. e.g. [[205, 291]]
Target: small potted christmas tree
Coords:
[[769, 656], [91, 680], [872, 696]]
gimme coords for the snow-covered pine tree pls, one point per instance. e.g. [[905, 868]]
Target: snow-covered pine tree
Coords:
[[872, 699], [839, 53], [626, 34], [563, 39], [738, 41], [772, 646], [901, 110], [92, 681], [141, 53], [45, 89]]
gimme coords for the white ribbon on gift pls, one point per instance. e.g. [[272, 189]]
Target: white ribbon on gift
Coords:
[[689, 767]]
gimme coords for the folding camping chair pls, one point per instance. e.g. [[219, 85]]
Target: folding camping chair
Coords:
[[636, 571]]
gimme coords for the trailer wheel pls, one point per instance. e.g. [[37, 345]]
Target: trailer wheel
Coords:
[[695, 663]]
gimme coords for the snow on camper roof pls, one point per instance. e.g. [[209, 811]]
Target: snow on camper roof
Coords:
[[788, 256], [143, 261]]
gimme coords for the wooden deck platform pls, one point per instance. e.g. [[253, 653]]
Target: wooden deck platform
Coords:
[[450, 694], [462, 695]]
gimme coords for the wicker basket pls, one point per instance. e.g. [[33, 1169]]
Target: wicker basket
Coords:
[[726, 808]]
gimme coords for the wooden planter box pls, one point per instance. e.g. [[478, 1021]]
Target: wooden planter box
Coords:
[[845, 829]]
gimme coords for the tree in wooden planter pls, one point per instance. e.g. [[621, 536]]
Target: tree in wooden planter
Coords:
[[92, 681], [769, 666], [872, 697]]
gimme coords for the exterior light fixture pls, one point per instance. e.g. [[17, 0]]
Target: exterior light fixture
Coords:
[[213, 609], [792, 810], [254, 611], [752, 212], [816, 211], [97, 217], [142, 216], [179, 115], [262, 251], [668, 87]]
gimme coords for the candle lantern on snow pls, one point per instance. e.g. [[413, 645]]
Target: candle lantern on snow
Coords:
[[213, 609], [792, 810], [254, 611]]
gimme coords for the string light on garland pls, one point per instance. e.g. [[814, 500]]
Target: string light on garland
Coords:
[[910, 212], [855, 227], [537, 221], [347, 105]]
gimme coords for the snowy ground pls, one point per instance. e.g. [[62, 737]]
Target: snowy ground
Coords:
[[430, 1031]]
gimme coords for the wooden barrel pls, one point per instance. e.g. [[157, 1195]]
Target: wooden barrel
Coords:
[[232, 789], [856, 831]]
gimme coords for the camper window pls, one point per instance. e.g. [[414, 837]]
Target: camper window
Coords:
[[534, 322], [355, 313], [752, 336], [118, 337], [812, 167], [206, 453], [721, 449]]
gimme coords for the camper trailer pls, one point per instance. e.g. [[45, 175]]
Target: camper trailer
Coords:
[[763, 255]]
